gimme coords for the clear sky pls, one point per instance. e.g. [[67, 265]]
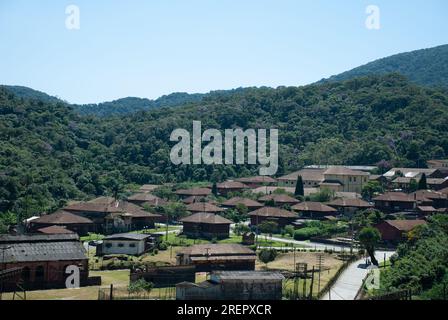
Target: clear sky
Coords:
[[150, 48]]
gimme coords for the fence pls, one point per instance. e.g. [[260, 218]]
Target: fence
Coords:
[[335, 278], [122, 293]]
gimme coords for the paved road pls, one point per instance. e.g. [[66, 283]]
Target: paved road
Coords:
[[350, 281]]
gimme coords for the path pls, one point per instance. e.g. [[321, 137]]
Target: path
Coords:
[[350, 281]]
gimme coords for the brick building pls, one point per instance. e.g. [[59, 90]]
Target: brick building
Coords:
[[206, 225], [44, 259], [213, 257]]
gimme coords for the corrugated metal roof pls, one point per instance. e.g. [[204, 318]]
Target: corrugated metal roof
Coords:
[[43, 251], [128, 236], [247, 275]]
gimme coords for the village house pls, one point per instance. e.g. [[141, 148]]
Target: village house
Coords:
[[54, 230], [431, 198], [315, 210], [248, 203], [234, 285], [413, 173], [231, 186], [342, 179], [397, 230], [437, 183], [437, 164], [195, 192], [110, 216], [133, 244], [204, 207], [279, 200], [215, 257], [193, 199], [259, 181], [206, 225], [148, 188], [392, 202], [349, 206], [267, 190], [311, 178], [404, 183], [78, 224], [277, 215], [146, 199], [44, 259]]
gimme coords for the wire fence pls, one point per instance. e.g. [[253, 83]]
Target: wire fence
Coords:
[[123, 293]]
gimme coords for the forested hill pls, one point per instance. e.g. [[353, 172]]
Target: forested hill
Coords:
[[132, 104], [30, 94], [48, 153], [427, 67]]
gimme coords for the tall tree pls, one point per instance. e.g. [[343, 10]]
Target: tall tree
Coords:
[[413, 185], [423, 185], [215, 189], [299, 187], [369, 238]]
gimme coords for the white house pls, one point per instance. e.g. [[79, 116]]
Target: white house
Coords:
[[126, 243]]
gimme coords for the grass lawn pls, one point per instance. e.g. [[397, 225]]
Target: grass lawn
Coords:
[[119, 278]]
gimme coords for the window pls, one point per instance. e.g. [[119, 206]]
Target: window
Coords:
[[132, 245], [120, 245], [108, 245]]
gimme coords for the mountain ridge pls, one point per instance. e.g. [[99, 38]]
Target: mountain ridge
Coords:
[[427, 67]]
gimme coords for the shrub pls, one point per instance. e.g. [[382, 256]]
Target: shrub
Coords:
[[163, 246], [307, 233]]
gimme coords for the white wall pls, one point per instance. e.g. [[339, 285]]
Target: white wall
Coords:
[[126, 248]]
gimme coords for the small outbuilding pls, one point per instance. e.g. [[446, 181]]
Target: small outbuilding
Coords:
[[206, 225], [234, 285], [72, 222], [280, 216], [133, 244], [397, 230], [314, 210], [213, 257]]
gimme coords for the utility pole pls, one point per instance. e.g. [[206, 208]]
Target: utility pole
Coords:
[[320, 260], [312, 285]]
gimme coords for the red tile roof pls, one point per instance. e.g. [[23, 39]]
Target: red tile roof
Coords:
[[54, 230], [279, 198], [62, 218], [249, 203], [314, 207], [273, 212], [405, 225], [232, 185], [350, 203], [203, 207], [194, 192], [207, 218]]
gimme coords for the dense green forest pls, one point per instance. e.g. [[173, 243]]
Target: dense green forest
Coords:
[[421, 264], [49, 153], [427, 67]]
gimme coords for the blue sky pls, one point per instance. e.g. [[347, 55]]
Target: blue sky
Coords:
[[150, 48]]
